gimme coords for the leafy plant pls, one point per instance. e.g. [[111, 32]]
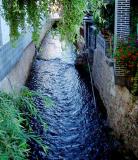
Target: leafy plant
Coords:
[[96, 9], [103, 14], [16, 112], [127, 53], [21, 13], [72, 16]]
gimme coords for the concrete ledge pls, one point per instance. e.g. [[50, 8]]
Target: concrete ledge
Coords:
[[16, 78]]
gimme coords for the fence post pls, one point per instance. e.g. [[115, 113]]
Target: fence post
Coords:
[[87, 23]]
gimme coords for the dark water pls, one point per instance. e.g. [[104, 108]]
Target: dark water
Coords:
[[75, 131]]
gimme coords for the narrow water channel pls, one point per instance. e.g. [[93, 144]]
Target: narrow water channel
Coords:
[[75, 131]]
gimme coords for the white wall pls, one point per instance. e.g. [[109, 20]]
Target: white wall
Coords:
[[4, 29], [4, 32]]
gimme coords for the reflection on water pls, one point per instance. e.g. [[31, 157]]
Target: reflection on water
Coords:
[[54, 48], [74, 128]]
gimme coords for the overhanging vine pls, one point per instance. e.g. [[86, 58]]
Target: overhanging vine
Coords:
[[19, 13]]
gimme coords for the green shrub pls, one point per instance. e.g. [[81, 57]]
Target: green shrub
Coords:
[[16, 110]]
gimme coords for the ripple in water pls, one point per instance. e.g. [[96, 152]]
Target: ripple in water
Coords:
[[74, 128]]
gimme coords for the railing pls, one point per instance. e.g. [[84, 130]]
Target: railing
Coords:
[[94, 40], [105, 47], [101, 43]]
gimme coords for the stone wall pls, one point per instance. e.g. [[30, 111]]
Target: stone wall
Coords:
[[122, 111], [15, 63]]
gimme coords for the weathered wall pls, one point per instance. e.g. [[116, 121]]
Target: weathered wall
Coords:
[[122, 113], [18, 75], [15, 63], [10, 55]]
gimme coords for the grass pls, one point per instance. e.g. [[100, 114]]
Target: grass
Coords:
[[16, 111]]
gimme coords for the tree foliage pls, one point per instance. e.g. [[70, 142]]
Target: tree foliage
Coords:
[[21, 13]]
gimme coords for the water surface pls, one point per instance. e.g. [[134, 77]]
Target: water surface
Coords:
[[75, 131]]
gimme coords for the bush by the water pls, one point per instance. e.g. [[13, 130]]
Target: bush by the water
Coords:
[[16, 111]]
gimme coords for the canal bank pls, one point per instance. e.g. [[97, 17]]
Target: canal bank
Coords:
[[122, 109], [116, 84], [75, 127], [119, 149], [16, 61]]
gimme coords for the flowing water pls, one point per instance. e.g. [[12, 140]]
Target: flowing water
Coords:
[[75, 131]]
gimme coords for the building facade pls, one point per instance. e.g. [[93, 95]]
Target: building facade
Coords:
[[126, 17]]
